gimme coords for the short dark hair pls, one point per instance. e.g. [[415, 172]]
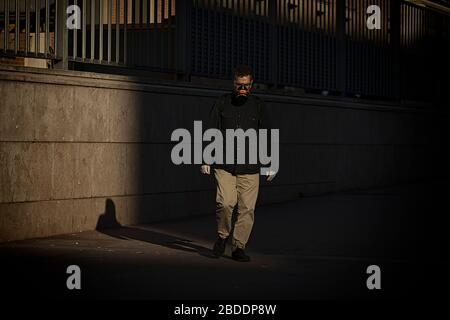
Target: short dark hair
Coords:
[[243, 71]]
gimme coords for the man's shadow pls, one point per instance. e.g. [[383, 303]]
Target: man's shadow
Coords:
[[107, 224]]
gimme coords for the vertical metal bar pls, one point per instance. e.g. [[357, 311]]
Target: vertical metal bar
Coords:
[[281, 11], [386, 25], [314, 15], [395, 20], [329, 14], [307, 14], [47, 27], [333, 18], [165, 36], [27, 27], [413, 26], [274, 41], [141, 16], [371, 35], [363, 25], [100, 28], [223, 49], [323, 16], [139, 48], [93, 29], [147, 41], [383, 18], [378, 33], [109, 29], [62, 37], [410, 27], [318, 14], [362, 22], [169, 10], [125, 24], [318, 18], [65, 35], [341, 67], [183, 37], [376, 36], [75, 39], [37, 26], [328, 22], [117, 31], [205, 29], [356, 18], [17, 26], [133, 31], [353, 19], [348, 18], [83, 32], [417, 26], [144, 12], [56, 28], [302, 15], [404, 22], [149, 12], [6, 37], [421, 25], [157, 33], [330, 46]]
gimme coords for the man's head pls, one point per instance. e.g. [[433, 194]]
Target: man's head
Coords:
[[243, 80]]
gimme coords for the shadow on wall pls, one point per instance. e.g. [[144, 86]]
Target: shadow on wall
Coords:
[[107, 224]]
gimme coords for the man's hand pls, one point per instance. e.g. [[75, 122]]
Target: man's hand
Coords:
[[205, 169]]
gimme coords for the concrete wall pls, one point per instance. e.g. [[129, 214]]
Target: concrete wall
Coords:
[[70, 140]]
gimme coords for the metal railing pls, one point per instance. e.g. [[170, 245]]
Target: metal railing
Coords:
[[129, 33], [312, 44], [28, 28]]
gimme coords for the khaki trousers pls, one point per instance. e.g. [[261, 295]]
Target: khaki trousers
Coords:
[[242, 190]]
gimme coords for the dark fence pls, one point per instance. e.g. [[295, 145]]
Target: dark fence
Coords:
[[27, 28], [312, 44], [129, 33]]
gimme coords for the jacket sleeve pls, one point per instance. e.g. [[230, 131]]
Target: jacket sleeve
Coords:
[[214, 116]]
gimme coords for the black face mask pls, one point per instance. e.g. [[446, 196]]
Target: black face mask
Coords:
[[239, 100]]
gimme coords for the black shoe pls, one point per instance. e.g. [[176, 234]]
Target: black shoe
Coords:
[[239, 255], [219, 247]]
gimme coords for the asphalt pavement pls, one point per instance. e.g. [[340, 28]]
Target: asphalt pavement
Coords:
[[316, 247]]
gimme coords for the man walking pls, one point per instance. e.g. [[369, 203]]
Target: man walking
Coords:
[[237, 184]]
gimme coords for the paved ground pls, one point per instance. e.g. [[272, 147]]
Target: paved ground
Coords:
[[315, 247]]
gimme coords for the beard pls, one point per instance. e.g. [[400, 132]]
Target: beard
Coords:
[[239, 99]]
